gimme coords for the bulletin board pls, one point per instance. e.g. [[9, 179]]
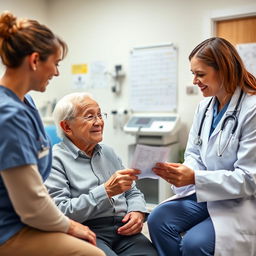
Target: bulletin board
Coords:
[[153, 83]]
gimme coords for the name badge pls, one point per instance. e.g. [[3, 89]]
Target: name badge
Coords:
[[44, 152]]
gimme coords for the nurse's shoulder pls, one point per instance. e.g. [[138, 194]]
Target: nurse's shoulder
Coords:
[[11, 108]]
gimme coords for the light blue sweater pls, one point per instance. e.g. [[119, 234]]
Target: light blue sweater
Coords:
[[76, 183]]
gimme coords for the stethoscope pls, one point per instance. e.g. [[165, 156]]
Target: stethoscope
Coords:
[[198, 140]]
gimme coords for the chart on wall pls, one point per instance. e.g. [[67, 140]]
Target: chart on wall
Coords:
[[153, 80], [248, 55]]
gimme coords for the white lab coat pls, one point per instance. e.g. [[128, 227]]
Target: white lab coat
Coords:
[[227, 183]]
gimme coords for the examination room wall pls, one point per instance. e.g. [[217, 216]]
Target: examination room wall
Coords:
[[106, 31], [34, 9]]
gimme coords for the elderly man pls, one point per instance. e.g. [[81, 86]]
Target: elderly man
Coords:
[[89, 183]]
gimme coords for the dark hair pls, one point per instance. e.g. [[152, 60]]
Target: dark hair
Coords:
[[20, 38], [224, 58]]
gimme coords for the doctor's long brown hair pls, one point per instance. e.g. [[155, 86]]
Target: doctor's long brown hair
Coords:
[[224, 58]]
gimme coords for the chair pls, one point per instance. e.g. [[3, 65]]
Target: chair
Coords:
[[52, 134]]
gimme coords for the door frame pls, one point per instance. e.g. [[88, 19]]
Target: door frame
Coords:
[[226, 14]]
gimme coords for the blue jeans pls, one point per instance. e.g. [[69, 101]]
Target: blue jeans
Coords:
[[169, 220]]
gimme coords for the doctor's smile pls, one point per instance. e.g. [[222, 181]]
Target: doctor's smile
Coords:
[[219, 166]]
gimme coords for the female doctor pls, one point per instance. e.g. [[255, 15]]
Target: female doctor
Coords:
[[214, 209], [30, 222]]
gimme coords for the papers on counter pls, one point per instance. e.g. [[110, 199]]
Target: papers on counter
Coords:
[[145, 158]]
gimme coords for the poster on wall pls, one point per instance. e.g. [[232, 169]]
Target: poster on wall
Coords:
[[80, 76], [248, 55], [153, 83], [93, 75]]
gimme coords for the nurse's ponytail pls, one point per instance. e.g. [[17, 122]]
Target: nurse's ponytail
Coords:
[[20, 38]]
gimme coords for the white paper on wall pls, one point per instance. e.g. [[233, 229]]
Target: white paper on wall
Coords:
[[98, 74], [248, 55]]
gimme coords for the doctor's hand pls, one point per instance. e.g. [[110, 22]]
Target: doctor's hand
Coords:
[[121, 181], [174, 173], [133, 223], [79, 230]]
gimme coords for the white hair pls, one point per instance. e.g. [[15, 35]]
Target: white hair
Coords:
[[66, 108]]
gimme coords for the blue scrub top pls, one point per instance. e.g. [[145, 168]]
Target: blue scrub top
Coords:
[[217, 115], [22, 139]]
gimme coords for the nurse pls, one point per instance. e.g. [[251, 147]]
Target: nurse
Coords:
[[214, 209], [30, 223]]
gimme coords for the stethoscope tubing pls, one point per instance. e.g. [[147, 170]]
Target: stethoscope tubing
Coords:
[[198, 141]]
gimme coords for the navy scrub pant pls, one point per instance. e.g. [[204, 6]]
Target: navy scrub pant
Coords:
[[114, 244], [171, 219]]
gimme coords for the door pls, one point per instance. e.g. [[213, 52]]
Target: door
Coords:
[[238, 30]]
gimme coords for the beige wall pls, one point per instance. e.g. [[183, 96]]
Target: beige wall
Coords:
[[27, 8]]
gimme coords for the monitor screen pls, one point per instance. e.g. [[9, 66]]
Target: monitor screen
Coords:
[[143, 120]]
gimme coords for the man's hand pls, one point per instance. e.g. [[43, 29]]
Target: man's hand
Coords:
[[134, 223], [121, 181]]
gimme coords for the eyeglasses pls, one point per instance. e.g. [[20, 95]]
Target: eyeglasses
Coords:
[[91, 118]]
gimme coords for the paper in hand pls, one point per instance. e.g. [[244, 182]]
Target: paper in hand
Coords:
[[145, 158]]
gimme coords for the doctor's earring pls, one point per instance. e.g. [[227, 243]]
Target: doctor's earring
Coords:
[[34, 68]]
